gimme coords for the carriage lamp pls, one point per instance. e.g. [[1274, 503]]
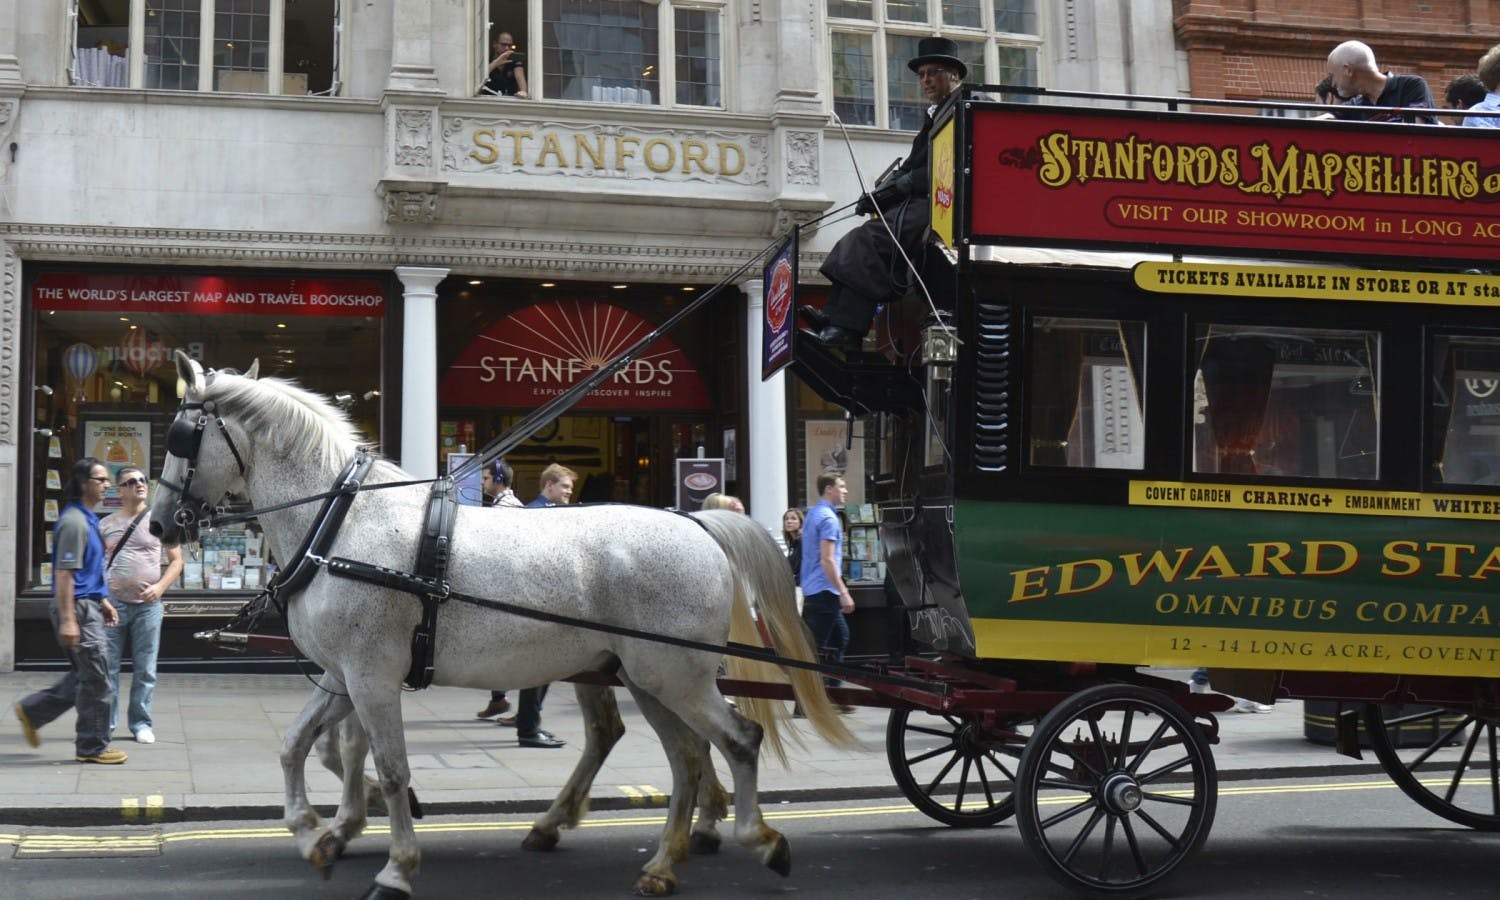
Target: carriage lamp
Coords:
[[939, 350], [42, 432], [45, 389]]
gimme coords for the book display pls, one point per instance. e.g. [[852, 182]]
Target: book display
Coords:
[[864, 560]]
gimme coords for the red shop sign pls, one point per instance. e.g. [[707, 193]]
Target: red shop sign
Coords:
[[204, 295], [538, 352], [1234, 184]]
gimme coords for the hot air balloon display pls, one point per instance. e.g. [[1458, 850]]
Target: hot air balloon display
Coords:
[[80, 362], [141, 351]]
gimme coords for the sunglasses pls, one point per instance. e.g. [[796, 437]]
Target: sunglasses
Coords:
[[132, 482]]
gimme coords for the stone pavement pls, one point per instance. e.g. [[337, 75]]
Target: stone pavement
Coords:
[[218, 738]]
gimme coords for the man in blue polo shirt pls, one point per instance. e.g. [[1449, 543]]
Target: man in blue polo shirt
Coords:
[[826, 598], [80, 612]]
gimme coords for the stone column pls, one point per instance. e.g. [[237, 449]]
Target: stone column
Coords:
[[765, 443], [419, 413], [411, 47], [16, 438]]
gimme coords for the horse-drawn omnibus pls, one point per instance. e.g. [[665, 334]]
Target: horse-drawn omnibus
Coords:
[[1198, 388]]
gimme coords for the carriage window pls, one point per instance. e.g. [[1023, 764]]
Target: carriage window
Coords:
[[1464, 396], [1292, 402], [1086, 407]]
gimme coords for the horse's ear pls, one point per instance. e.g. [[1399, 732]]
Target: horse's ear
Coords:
[[189, 371], [254, 371]]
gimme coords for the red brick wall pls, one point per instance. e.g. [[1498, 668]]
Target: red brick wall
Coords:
[[1277, 49]]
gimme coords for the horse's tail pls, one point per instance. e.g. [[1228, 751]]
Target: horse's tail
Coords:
[[763, 579]]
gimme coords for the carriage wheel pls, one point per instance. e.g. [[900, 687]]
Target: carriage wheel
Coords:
[[957, 769], [1453, 770], [1116, 788]]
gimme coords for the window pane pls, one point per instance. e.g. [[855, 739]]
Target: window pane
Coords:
[[172, 31], [851, 9], [1296, 402], [602, 50], [1085, 401], [1016, 16], [1017, 66], [853, 78], [906, 106], [101, 56], [698, 57], [962, 13], [242, 45], [310, 62], [1465, 410], [906, 10]]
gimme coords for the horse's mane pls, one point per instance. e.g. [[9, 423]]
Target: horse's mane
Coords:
[[286, 415]]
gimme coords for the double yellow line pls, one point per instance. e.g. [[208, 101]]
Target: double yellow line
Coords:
[[43, 844]]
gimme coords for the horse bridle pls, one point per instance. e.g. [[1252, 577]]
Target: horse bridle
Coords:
[[184, 440]]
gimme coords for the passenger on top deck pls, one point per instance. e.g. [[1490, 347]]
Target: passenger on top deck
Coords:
[[1359, 82]]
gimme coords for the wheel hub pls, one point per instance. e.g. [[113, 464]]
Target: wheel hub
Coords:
[[1121, 793]]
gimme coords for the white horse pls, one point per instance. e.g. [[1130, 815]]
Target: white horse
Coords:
[[624, 566]]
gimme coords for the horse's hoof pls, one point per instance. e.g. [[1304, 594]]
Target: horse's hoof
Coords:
[[381, 892], [654, 886], [540, 840], [325, 853], [414, 803], [704, 843], [781, 858]]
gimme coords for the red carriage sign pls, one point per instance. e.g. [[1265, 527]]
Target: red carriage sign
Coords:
[[540, 351], [1234, 184]]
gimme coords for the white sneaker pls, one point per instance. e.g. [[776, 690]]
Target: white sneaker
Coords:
[[1250, 706], [145, 736], [1200, 688]]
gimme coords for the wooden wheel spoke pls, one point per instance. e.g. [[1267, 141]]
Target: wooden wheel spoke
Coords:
[[1494, 771], [963, 785], [1165, 770], [999, 763], [1134, 842], [1068, 813], [924, 757], [1125, 737], [1148, 747], [1082, 837], [943, 773], [1106, 852], [984, 781], [1442, 741], [935, 732], [1174, 800], [1068, 752]]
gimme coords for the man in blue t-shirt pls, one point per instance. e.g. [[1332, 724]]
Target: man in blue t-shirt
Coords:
[[557, 490], [80, 612], [825, 597]]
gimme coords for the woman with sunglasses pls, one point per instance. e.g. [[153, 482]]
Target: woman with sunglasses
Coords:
[[137, 579]]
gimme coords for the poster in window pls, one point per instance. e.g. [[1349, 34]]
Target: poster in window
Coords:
[[118, 442], [829, 449]]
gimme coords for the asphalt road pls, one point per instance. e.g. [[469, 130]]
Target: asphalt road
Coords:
[[1355, 837]]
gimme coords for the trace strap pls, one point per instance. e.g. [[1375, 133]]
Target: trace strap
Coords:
[[422, 586]]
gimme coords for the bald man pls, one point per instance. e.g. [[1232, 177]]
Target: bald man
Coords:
[[1358, 81]]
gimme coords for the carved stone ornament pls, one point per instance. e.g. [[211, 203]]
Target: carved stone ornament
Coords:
[[413, 138], [411, 207], [801, 157], [10, 330]]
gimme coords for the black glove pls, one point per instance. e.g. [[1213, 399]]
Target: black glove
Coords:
[[893, 191], [865, 206]]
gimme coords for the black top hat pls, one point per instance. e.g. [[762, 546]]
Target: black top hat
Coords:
[[938, 50]]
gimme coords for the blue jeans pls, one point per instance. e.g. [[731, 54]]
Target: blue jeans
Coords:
[[826, 621], [85, 687], [141, 622]]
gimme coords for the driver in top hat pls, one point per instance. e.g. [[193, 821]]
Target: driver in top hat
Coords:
[[865, 268]]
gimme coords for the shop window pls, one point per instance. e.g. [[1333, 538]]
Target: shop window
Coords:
[[1286, 402], [243, 46], [871, 44], [1464, 403], [1085, 401], [105, 384]]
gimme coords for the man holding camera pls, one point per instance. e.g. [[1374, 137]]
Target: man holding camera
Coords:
[[507, 71], [865, 266]]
